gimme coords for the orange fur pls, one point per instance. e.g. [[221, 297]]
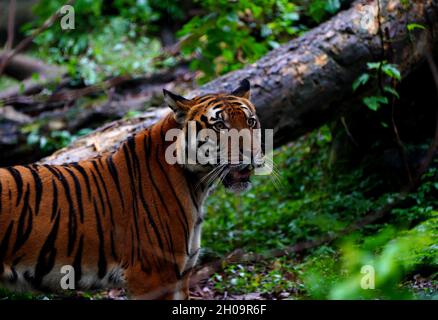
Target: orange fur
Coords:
[[124, 219]]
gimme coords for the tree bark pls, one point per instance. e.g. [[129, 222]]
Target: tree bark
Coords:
[[307, 82]]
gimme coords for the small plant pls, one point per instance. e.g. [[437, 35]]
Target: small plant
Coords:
[[320, 9], [273, 278], [392, 255], [53, 140], [414, 26], [375, 72]]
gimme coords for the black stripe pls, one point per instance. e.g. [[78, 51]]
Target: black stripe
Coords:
[[190, 180], [14, 277], [84, 174], [99, 192], [172, 249], [115, 176], [102, 259], [4, 245], [54, 200], [217, 115], [131, 145], [113, 247], [77, 262], [78, 190], [145, 263], [146, 230], [38, 188], [72, 222], [146, 146], [47, 256], [17, 260], [199, 221], [24, 226], [194, 253], [205, 98], [146, 268], [204, 119], [133, 191], [159, 214], [132, 248], [52, 170], [18, 181], [172, 189]]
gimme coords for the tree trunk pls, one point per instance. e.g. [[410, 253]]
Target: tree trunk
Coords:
[[307, 82]]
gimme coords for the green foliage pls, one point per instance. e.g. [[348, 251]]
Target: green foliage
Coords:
[[273, 278], [392, 255], [405, 3], [233, 33], [374, 102], [321, 9], [121, 37], [376, 70], [361, 81], [413, 26], [107, 41], [51, 141], [307, 202], [310, 201], [391, 71], [392, 91], [6, 294], [116, 50]]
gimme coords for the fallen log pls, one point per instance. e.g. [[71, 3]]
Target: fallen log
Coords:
[[75, 108], [306, 82], [22, 67]]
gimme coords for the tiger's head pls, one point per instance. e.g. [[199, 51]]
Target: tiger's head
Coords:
[[221, 136]]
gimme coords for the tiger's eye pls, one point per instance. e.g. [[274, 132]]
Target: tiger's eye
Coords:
[[219, 125], [252, 122]]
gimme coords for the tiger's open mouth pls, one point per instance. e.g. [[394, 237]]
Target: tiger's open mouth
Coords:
[[238, 178]]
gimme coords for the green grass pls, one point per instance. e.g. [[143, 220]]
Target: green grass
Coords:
[[307, 202], [311, 200]]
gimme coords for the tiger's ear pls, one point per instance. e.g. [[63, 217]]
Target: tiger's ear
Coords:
[[178, 104], [244, 90]]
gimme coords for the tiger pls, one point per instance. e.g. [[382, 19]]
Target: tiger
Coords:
[[126, 219]]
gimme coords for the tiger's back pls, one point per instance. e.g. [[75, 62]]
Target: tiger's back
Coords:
[[89, 216]]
